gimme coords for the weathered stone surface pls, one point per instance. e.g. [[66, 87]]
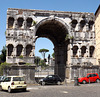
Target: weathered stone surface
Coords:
[[72, 34]]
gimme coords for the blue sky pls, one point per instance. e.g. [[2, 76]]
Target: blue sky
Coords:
[[58, 5]]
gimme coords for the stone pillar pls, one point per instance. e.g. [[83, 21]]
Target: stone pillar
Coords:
[[23, 51], [87, 27], [79, 50], [77, 28], [87, 51], [60, 61], [15, 51]]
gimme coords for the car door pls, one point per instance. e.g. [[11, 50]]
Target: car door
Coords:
[[5, 83], [94, 77], [90, 78], [50, 79]]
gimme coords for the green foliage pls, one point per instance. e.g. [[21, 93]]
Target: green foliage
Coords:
[[53, 55], [34, 23], [2, 66], [68, 37], [43, 51], [28, 64], [3, 54], [37, 60], [5, 32], [42, 63], [21, 57]]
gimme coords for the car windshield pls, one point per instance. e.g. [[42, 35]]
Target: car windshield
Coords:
[[18, 79]]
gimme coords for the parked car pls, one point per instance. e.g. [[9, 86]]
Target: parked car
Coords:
[[91, 77], [2, 78], [51, 79], [13, 82]]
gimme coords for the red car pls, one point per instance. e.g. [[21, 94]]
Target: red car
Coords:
[[91, 77]]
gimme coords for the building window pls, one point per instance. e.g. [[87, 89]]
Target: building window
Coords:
[[20, 22], [91, 24], [82, 24], [28, 50], [91, 50], [83, 51], [73, 23], [10, 22], [19, 49], [75, 48], [29, 22], [10, 49]]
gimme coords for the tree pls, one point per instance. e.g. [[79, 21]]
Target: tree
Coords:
[[43, 52], [37, 60], [3, 54], [42, 63], [53, 55]]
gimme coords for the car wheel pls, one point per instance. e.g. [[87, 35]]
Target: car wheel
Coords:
[[84, 82], [9, 90], [97, 80], [58, 83], [0, 88], [43, 83]]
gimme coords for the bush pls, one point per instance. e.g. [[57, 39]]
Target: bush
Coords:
[[28, 64], [21, 57], [2, 66]]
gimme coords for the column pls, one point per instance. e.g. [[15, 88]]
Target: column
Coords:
[[14, 51]]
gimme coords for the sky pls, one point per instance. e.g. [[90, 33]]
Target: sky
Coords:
[[57, 5]]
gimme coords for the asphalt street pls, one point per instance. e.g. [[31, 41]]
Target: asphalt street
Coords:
[[87, 90]]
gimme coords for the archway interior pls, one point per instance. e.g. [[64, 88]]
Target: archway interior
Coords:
[[53, 30], [56, 32]]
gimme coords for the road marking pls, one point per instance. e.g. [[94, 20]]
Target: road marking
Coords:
[[65, 92], [32, 88]]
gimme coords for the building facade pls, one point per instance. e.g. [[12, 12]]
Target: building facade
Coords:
[[97, 31], [72, 34]]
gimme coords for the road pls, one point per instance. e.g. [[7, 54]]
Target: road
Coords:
[[88, 90]]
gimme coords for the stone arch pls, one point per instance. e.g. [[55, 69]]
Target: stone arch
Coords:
[[83, 51], [10, 22], [20, 22], [75, 49], [91, 51], [29, 22], [53, 19], [10, 49], [55, 30], [19, 49], [28, 49]]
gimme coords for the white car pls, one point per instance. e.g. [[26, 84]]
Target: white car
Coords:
[[13, 82]]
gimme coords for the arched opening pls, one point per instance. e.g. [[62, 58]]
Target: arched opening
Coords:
[[28, 50], [83, 51], [73, 23], [75, 48], [10, 22], [91, 50], [19, 49], [82, 24], [91, 25], [20, 22], [29, 22], [10, 49], [56, 31]]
